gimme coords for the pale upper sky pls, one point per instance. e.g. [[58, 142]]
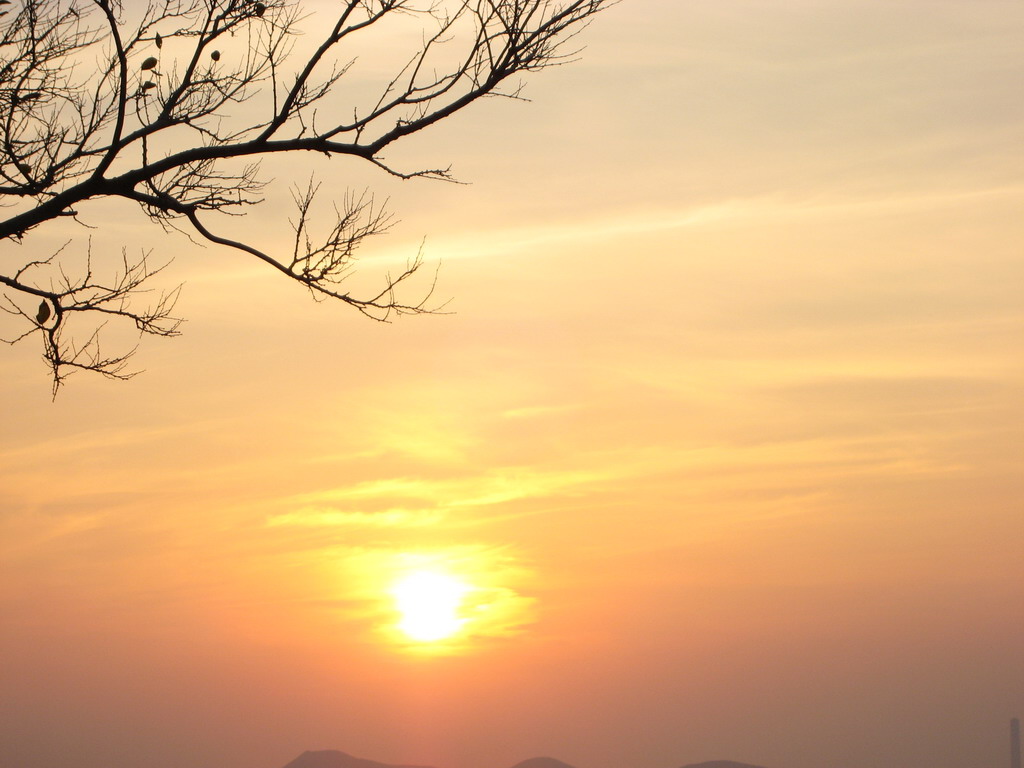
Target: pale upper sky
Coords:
[[724, 441]]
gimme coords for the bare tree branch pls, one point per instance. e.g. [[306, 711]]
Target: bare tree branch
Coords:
[[172, 103]]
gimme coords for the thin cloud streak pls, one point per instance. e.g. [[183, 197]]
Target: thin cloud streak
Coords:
[[768, 208]]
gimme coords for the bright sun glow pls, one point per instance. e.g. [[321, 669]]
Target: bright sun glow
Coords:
[[429, 604]]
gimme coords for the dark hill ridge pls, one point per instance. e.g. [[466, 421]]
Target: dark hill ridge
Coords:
[[542, 762], [331, 758]]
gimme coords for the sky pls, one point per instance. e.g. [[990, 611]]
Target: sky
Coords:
[[721, 440]]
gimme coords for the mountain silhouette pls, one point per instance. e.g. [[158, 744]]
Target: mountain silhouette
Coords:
[[542, 762], [331, 758]]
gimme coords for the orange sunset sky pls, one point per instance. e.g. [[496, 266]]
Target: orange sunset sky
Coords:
[[722, 444]]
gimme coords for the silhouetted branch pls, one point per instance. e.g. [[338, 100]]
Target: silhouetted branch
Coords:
[[66, 296], [140, 101]]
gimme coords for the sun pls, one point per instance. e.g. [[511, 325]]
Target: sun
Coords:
[[429, 604]]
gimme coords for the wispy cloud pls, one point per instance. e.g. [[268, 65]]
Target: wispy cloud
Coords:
[[313, 517], [423, 502], [774, 207]]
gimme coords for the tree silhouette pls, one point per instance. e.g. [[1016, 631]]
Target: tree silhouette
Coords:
[[172, 103]]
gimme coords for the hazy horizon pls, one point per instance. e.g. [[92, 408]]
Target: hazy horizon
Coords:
[[720, 455]]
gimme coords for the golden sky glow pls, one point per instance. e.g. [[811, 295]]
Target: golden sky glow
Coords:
[[724, 440]]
